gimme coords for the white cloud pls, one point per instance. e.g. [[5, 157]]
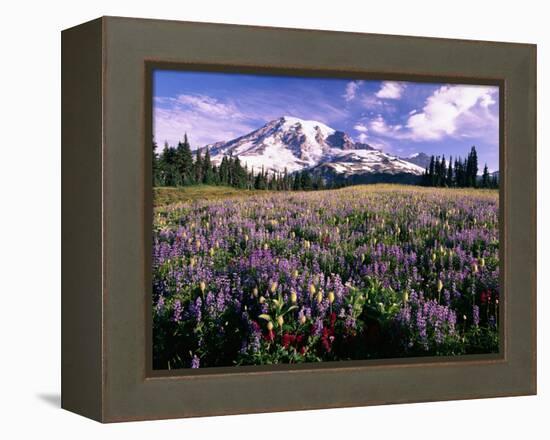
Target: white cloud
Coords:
[[362, 138], [380, 126], [209, 105], [390, 90], [204, 119], [362, 129], [487, 100], [351, 90], [453, 111], [371, 102], [384, 130]]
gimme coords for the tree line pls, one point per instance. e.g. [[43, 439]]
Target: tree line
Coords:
[[462, 173], [179, 166]]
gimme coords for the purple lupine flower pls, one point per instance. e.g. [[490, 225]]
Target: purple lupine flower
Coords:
[[475, 315], [160, 304], [422, 328], [178, 309], [350, 323], [195, 362], [318, 327], [195, 309]]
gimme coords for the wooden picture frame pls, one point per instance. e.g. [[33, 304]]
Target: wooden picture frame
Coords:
[[107, 212]]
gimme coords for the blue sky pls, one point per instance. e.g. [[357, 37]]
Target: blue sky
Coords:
[[400, 118]]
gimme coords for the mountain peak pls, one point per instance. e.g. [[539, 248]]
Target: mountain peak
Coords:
[[420, 159], [310, 125], [293, 144]]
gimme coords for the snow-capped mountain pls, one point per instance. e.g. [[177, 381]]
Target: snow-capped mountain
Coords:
[[420, 159], [368, 162], [296, 144]]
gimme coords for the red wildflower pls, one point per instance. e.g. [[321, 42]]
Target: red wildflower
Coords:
[[332, 320], [292, 340], [270, 336], [288, 340], [255, 326], [327, 338], [485, 297]]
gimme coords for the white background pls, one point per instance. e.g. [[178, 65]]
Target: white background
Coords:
[[30, 219]]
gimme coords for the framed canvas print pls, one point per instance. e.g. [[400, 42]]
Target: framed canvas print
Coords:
[[309, 219]]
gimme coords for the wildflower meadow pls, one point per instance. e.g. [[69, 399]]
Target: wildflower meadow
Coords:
[[363, 272]]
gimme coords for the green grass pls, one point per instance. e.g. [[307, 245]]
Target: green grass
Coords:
[[170, 195]]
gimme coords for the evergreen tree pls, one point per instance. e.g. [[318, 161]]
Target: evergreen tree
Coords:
[[474, 167], [238, 174], [449, 178], [168, 166], [443, 172], [315, 182], [297, 182], [431, 172], [261, 182], [426, 177], [251, 179], [437, 172], [224, 171], [198, 167], [245, 174], [156, 176], [471, 168], [215, 175], [485, 183], [272, 182], [306, 181], [207, 176], [459, 174], [286, 181], [184, 162]]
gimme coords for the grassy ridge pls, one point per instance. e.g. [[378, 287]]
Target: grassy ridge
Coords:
[[169, 195]]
